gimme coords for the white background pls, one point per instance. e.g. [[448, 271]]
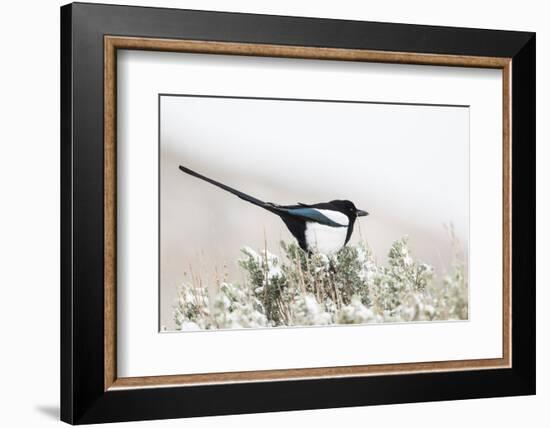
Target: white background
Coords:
[[143, 352], [29, 230]]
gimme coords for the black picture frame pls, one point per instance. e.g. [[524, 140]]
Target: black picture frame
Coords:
[[83, 396]]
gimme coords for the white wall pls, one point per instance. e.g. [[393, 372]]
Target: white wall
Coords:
[[29, 230]]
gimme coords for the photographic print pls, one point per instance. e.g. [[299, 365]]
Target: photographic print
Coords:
[[281, 213], [292, 183]]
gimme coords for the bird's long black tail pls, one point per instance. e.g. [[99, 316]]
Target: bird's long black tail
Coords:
[[243, 196]]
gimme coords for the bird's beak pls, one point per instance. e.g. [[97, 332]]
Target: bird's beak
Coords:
[[361, 213]]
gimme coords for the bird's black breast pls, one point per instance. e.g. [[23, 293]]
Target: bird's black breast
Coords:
[[350, 230]]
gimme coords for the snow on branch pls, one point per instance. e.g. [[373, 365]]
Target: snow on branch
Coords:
[[348, 287]]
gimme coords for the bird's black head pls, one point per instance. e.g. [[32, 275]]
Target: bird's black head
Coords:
[[348, 208]]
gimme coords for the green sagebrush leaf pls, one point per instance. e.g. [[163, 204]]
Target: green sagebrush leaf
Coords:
[[348, 287]]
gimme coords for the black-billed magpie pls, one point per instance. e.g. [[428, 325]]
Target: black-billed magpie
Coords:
[[325, 227]]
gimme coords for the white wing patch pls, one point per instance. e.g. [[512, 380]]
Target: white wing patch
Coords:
[[335, 216], [325, 239]]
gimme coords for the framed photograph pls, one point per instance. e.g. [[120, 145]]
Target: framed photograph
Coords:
[[265, 213]]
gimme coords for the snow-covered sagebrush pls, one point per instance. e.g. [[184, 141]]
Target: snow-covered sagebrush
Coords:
[[348, 287]]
